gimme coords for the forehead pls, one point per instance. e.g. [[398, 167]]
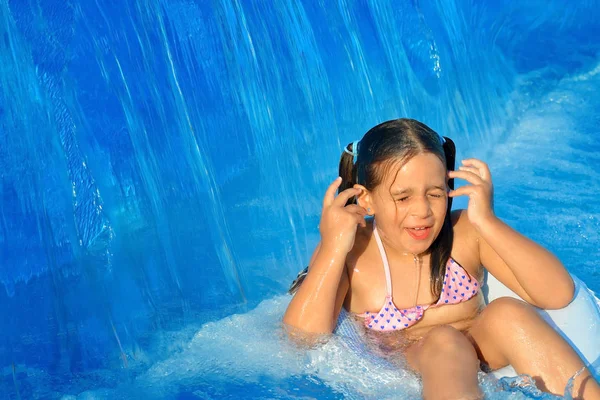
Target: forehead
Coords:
[[424, 169]]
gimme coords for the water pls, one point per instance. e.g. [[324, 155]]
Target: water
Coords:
[[163, 165]]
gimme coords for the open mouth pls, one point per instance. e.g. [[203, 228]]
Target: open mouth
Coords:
[[420, 233]]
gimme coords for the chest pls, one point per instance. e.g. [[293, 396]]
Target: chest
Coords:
[[408, 284], [409, 281]]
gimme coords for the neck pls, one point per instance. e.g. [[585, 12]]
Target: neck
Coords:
[[399, 254], [400, 257]]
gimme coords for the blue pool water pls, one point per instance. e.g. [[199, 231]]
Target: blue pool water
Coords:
[[162, 165]]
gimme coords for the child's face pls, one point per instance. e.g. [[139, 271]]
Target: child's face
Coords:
[[410, 203]]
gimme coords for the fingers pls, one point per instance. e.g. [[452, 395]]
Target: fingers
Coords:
[[468, 176], [469, 169], [473, 171], [343, 197], [355, 208], [468, 190], [330, 192], [359, 212], [483, 169], [360, 219], [330, 200], [462, 191]]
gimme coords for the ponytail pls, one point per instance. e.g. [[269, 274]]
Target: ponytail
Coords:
[[450, 153], [441, 248], [348, 169]]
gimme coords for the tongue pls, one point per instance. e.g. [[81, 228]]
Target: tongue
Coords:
[[419, 233]]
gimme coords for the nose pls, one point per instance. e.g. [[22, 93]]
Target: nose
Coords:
[[421, 207]]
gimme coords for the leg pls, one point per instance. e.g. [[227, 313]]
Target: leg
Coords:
[[447, 363], [509, 331]]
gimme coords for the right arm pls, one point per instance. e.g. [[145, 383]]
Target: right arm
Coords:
[[318, 301]]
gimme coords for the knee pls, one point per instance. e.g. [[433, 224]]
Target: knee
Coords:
[[508, 307], [445, 343], [506, 311]]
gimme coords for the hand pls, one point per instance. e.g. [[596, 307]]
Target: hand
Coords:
[[338, 221], [480, 190]]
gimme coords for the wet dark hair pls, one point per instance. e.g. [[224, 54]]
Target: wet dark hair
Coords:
[[382, 148]]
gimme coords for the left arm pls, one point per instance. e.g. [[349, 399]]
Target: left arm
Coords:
[[527, 268], [524, 266]]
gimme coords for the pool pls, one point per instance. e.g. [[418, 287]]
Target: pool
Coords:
[[163, 164]]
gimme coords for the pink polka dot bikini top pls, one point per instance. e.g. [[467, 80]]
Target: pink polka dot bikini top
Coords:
[[458, 287]]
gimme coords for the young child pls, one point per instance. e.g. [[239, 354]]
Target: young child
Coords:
[[394, 256]]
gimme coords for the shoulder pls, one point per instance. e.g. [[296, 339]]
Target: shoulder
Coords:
[[362, 243], [458, 216], [461, 224], [465, 247]]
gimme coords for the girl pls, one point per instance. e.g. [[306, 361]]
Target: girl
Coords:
[[413, 268]]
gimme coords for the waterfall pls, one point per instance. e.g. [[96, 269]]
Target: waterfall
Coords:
[[163, 162]]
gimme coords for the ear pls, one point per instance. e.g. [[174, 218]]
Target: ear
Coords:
[[364, 199]]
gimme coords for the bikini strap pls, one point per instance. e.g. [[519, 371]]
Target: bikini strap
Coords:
[[386, 265]]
